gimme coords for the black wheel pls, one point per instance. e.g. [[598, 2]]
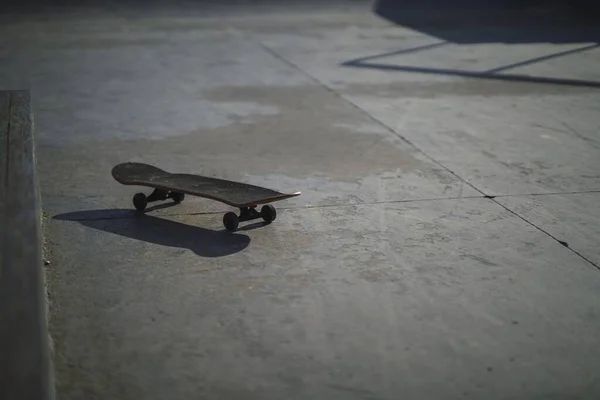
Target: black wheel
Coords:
[[268, 213], [140, 201], [177, 197], [231, 221]]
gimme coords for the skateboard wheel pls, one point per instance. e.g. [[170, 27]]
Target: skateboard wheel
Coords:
[[177, 197], [268, 213], [140, 201], [231, 221]]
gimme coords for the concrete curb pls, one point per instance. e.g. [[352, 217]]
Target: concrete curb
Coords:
[[25, 364]]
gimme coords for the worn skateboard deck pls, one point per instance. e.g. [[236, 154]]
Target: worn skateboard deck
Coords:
[[166, 185]]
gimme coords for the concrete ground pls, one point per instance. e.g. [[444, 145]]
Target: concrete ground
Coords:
[[445, 245]]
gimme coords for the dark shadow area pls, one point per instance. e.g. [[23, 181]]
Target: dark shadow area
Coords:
[[176, 7], [131, 224], [497, 21], [493, 21]]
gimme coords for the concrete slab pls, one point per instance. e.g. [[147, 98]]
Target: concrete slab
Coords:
[[218, 105], [384, 53], [530, 127], [571, 218], [506, 146], [190, 96], [336, 177], [335, 302], [362, 288]]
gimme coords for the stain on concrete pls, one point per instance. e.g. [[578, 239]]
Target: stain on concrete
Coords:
[[309, 115], [293, 132], [484, 261]]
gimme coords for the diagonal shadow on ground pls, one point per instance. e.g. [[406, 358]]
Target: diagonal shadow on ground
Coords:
[[475, 75], [202, 241], [367, 62], [496, 21]]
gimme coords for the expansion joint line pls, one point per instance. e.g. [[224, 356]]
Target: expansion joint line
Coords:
[[401, 137]]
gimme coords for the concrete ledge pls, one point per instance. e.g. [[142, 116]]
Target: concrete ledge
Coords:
[[25, 367]]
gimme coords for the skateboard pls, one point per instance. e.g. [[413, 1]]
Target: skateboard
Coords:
[[173, 186]]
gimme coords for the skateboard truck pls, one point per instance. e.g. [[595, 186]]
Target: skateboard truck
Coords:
[[140, 200], [166, 185], [231, 220]]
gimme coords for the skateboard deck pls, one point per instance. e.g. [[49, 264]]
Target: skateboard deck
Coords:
[[175, 186]]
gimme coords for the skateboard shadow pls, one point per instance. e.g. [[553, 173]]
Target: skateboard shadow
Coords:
[[131, 224]]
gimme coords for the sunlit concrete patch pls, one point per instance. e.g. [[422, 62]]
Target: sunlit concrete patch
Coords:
[[574, 219], [503, 146], [390, 186], [284, 310], [323, 57], [502, 136], [92, 93], [350, 57], [291, 139]]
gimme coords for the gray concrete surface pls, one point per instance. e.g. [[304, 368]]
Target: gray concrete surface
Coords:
[[444, 247]]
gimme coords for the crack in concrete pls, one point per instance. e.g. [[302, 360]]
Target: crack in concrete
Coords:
[[561, 242], [548, 193], [342, 205]]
